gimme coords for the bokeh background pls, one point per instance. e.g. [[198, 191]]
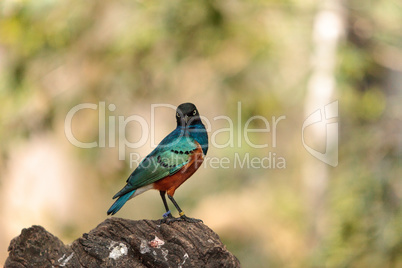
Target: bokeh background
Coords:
[[274, 58]]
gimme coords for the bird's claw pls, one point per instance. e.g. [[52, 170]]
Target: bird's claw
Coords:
[[167, 220], [171, 219], [188, 219], [167, 217]]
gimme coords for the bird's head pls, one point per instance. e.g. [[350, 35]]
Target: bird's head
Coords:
[[187, 114]]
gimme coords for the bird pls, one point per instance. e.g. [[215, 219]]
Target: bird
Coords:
[[170, 164]]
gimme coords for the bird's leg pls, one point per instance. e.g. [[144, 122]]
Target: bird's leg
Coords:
[[181, 213], [166, 216]]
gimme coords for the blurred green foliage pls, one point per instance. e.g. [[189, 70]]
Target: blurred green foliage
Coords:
[[57, 54]]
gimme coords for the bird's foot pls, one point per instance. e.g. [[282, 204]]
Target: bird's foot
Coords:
[[167, 218], [188, 219]]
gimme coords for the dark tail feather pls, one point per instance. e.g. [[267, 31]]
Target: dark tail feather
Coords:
[[119, 203]]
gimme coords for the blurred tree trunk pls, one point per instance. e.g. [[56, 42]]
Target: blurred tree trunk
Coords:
[[328, 29]]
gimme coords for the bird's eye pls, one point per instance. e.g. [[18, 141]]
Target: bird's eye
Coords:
[[177, 114], [195, 111]]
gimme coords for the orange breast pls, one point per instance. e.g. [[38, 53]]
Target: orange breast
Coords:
[[171, 183]]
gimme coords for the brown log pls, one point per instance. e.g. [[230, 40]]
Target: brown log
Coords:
[[119, 242]]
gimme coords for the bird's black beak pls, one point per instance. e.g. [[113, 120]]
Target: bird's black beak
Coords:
[[186, 119]]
